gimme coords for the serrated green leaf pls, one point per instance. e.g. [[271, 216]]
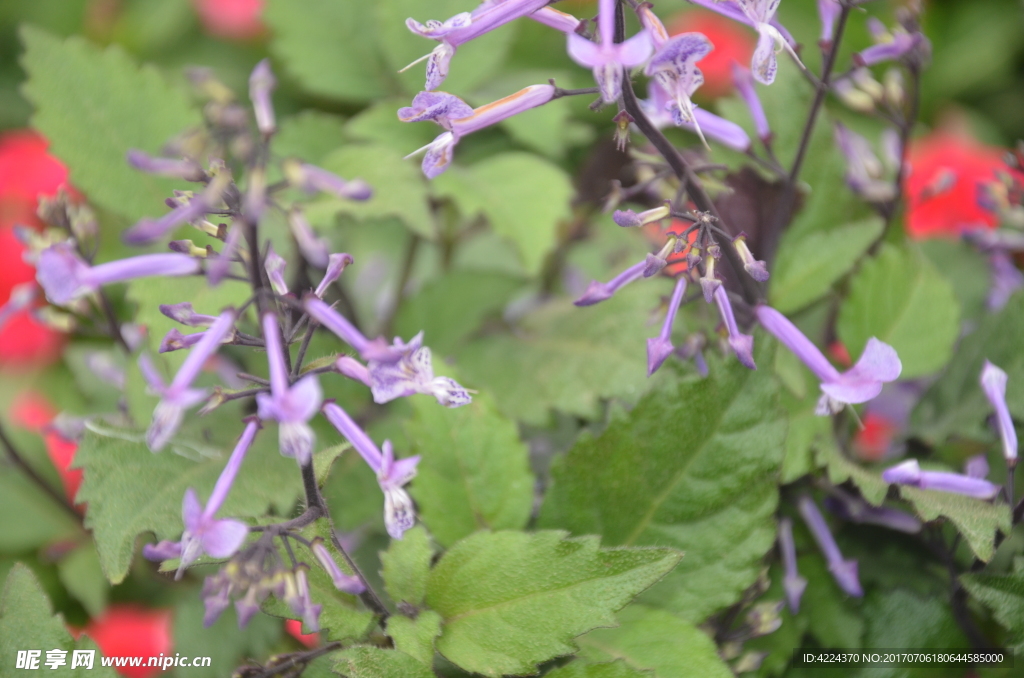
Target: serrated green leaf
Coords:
[[415, 637], [50, 522], [330, 47], [807, 267], [474, 473], [399, 188], [648, 638], [131, 490], [579, 668], [27, 622], [899, 618], [693, 466], [567, 358], [902, 300], [522, 196], [364, 661], [223, 642], [1004, 595], [511, 600], [406, 566], [82, 576], [93, 106], [309, 136]]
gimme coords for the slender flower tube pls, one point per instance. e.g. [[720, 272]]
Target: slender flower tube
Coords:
[[275, 264], [174, 340], [413, 373], [220, 265], [261, 85], [773, 38], [185, 169], [993, 383], [609, 59], [910, 473], [843, 571], [726, 132], [179, 395], [291, 406], [65, 277], [757, 269], [895, 46], [629, 218], [864, 171], [315, 250], [553, 18], [301, 604], [1006, 278], [343, 582], [674, 67], [353, 369], [856, 510], [599, 291], [313, 179], [878, 365], [741, 344], [392, 474], [656, 30], [340, 326], [146, 231], [828, 12], [203, 533], [184, 314], [660, 348], [336, 264], [744, 82], [792, 583]]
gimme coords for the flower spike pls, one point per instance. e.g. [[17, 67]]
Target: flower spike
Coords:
[[993, 383], [660, 348], [843, 571], [793, 584]]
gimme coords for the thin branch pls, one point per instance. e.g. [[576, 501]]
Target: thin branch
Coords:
[[19, 461]]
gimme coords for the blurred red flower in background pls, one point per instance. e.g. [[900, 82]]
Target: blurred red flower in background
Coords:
[[26, 172], [126, 630], [34, 412], [732, 42], [231, 19], [294, 629]]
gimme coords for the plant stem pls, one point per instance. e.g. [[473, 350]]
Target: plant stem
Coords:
[[19, 461]]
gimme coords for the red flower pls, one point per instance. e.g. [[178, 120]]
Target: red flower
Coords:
[[872, 442], [732, 41], [294, 629], [32, 411], [942, 188], [231, 19], [127, 630]]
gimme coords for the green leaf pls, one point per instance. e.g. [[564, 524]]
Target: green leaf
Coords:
[[416, 636], [379, 124], [522, 196], [582, 669], [966, 269], [832, 616], [475, 472], [223, 642], [899, 618], [648, 638], [693, 466], [511, 600], [1004, 595], [93, 106], [807, 267], [27, 622], [330, 47], [406, 566], [82, 576], [309, 136], [131, 490], [399, 188], [902, 300], [372, 662], [19, 497], [567, 358]]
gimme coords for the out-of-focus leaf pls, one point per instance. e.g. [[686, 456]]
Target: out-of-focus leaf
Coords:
[[416, 636], [224, 643], [579, 668], [649, 638], [902, 300], [309, 136], [899, 618], [93, 106], [406, 566], [20, 497], [379, 124], [82, 576], [1004, 595], [693, 466], [364, 661], [474, 474], [966, 270], [511, 600]]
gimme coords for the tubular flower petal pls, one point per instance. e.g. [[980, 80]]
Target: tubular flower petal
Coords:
[[993, 383], [741, 344], [793, 584], [660, 347], [910, 473], [843, 571], [598, 291], [609, 59]]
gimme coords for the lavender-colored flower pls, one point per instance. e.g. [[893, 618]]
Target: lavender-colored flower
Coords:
[[741, 344], [656, 30], [315, 250], [336, 264], [178, 396], [335, 322], [856, 510], [674, 67], [656, 108], [343, 582], [65, 277], [413, 373], [204, 533], [607, 58], [184, 168], [438, 29], [1006, 279], [599, 291], [993, 383], [864, 171], [219, 266], [709, 282], [105, 368], [744, 82], [275, 265], [660, 348], [773, 38], [629, 218], [440, 107], [878, 365], [353, 369], [553, 18], [300, 603], [828, 12], [261, 85], [843, 571], [792, 583], [891, 46], [146, 231], [392, 474], [290, 405], [910, 473], [184, 314], [313, 179], [174, 340], [757, 269]]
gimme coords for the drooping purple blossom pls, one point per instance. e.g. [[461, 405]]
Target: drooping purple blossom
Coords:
[[656, 108], [993, 383], [744, 81], [301, 604], [890, 45], [392, 474], [828, 12], [336, 264], [741, 344], [878, 365], [275, 264], [65, 276], [175, 168], [856, 510], [674, 67], [909, 473], [261, 85], [314, 249], [660, 347], [864, 171], [1006, 279], [313, 179], [599, 291], [755, 268], [843, 571], [219, 266], [439, 107], [630, 219], [204, 533], [146, 231], [773, 38], [413, 373], [343, 582], [792, 583], [607, 58], [553, 18], [290, 405], [184, 314]]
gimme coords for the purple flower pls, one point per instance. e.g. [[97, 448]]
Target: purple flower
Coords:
[[1006, 278], [64, 276], [910, 473], [221, 264], [343, 582], [856, 510], [185, 169], [439, 107], [313, 179], [660, 348], [346, 331], [560, 21], [599, 291], [353, 369], [176, 341], [203, 533], [656, 30], [607, 58], [891, 46], [297, 598], [773, 38], [843, 571], [674, 67], [146, 231], [261, 85], [726, 132], [392, 474], [976, 466], [290, 405], [21, 297], [754, 267], [435, 29], [993, 383], [864, 171], [314, 250], [878, 365], [179, 396], [741, 344], [336, 264], [792, 583], [828, 12], [629, 218], [744, 82], [413, 373], [275, 264], [184, 314]]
